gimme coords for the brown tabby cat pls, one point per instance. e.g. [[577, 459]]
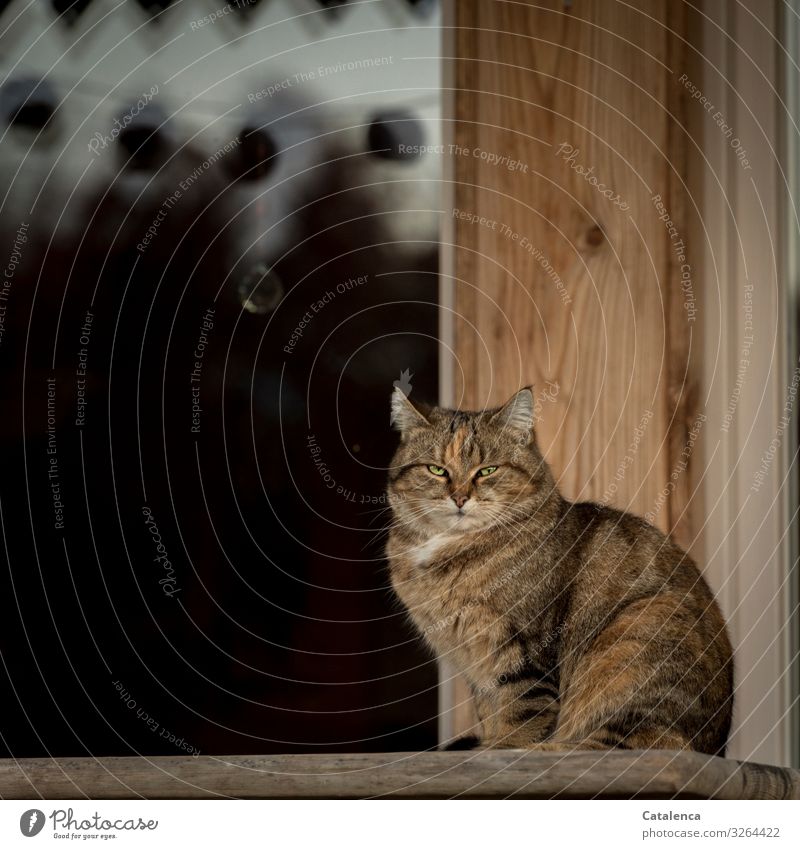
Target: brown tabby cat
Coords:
[[576, 625]]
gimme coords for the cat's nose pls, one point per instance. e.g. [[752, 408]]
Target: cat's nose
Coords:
[[460, 500]]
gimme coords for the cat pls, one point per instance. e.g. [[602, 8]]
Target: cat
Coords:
[[576, 626]]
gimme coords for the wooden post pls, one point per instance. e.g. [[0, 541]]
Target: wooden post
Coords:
[[571, 252]]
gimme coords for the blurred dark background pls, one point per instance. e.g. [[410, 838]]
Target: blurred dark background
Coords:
[[153, 393]]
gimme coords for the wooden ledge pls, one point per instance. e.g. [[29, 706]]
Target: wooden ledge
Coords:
[[485, 774]]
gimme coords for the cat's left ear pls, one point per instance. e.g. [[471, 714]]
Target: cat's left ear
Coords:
[[517, 414], [405, 415]]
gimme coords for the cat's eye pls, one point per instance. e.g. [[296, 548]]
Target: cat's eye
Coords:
[[438, 471], [486, 471]]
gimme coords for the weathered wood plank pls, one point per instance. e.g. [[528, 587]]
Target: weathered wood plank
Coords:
[[486, 774]]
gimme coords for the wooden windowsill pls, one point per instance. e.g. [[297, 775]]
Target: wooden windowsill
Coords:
[[485, 774]]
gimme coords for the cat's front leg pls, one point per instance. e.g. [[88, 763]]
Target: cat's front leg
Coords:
[[522, 722]]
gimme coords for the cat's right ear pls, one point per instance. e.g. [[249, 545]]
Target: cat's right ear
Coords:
[[405, 416], [517, 414]]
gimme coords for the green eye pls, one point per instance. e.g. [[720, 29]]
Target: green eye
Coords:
[[438, 471], [489, 470]]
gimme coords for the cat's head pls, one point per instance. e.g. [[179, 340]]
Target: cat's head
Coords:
[[460, 471]]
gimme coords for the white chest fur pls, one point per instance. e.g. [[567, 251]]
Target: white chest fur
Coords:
[[425, 552]]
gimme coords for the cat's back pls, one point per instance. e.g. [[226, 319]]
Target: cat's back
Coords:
[[615, 554], [623, 560]]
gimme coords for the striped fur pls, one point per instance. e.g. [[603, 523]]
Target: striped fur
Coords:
[[576, 625]]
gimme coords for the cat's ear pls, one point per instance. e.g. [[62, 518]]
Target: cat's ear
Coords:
[[405, 415], [517, 413]]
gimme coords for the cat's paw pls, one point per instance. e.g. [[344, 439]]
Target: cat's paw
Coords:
[[569, 746], [565, 746], [460, 744]]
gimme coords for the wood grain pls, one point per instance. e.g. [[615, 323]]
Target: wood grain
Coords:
[[572, 279], [488, 774]]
